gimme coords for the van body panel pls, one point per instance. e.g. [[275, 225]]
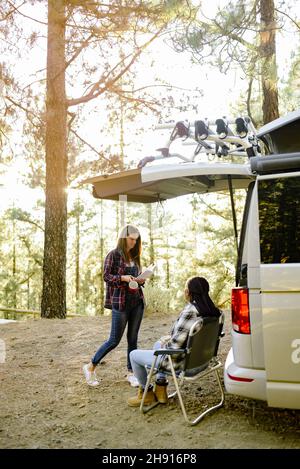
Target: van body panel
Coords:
[[241, 348], [251, 257], [254, 277], [279, 214], [280, 278], [281, 331], [252, 252], [257, 346], [255, 389], [283, 395], [275, 176]]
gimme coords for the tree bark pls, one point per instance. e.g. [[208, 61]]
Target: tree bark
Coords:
[[77, 254], [102, 293], [151, 241], [55, 241], [268, 61], [14, 269]]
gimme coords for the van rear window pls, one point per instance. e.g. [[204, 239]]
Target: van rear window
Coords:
[[279, 220]]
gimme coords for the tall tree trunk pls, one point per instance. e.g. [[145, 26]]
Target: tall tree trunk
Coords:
[[122, 143], [168, 276], [55, 241], [268, 60], [77, 254], [151, 242], [28, 285], [14, 269], [117, 217], [101, 259]]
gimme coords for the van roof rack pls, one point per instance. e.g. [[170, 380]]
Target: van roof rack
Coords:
[[211, 138]]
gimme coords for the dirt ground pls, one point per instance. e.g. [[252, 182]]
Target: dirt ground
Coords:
[[45, 402]]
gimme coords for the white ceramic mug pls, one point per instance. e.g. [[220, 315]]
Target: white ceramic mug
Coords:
[[133, 286]]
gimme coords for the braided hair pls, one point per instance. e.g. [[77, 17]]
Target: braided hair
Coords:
[[198, 288]]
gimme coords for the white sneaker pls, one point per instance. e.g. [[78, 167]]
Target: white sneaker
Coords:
[[90, 376], [132, 380]]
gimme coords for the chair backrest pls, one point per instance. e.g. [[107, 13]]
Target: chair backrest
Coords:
[[203, 342]]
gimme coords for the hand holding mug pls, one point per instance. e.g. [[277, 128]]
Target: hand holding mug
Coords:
[[141, 281], [126, 278]]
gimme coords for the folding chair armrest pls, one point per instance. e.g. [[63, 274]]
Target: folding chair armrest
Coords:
[[169, 351]]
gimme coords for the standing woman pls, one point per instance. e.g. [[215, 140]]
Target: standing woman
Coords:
[[121, 266]]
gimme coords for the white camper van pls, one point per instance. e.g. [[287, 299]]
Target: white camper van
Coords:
[[264, 361]]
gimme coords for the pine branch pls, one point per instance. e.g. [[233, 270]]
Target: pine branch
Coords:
[[123, 94], [16, 9], [27, 111], [288, 16], [212, 209], [79, 50], [104, 84], [136, 90], [37, 259], [20, 215], [25, 280], [234, 37], [94, 149], [249, 93]]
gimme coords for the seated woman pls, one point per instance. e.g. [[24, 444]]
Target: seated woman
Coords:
[[199, 304]]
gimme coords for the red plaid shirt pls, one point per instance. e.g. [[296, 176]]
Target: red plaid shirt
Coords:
[[114, 268]]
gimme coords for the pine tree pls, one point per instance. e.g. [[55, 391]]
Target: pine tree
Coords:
[[122, 18], [243, 34]]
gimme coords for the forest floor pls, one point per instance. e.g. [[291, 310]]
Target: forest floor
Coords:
[[45, 402]]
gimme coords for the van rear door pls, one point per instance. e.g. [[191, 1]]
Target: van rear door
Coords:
[[279, 222], [160, 182]]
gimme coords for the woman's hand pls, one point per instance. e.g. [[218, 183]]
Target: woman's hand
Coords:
[[126, 278], [141, 281]]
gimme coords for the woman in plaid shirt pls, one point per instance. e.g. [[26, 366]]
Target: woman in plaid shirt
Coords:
[[121, 266], [198, 304]]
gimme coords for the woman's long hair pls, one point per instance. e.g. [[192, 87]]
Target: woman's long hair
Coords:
[[134, 253], [198, 288]]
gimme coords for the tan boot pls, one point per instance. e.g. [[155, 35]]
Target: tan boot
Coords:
[[161, 393], [136, 401]]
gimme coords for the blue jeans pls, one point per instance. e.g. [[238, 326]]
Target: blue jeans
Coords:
[[133, 318], [141, 358]]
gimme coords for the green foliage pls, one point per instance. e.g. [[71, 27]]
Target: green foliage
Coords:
[[157, 297], [217, 259], [21, 255], [290, 96]]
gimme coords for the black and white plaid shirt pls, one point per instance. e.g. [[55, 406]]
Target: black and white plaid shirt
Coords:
[[179, 335]]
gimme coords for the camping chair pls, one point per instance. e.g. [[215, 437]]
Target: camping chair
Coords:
[[200, 360]]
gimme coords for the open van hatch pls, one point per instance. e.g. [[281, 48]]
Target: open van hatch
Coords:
[[157, 183]]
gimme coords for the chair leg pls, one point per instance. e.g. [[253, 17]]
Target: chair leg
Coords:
[[144, 409], [178, 390], [203, 414], [217, 406]]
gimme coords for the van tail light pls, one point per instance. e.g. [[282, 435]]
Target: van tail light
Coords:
[[240, 379], [240, 310]]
